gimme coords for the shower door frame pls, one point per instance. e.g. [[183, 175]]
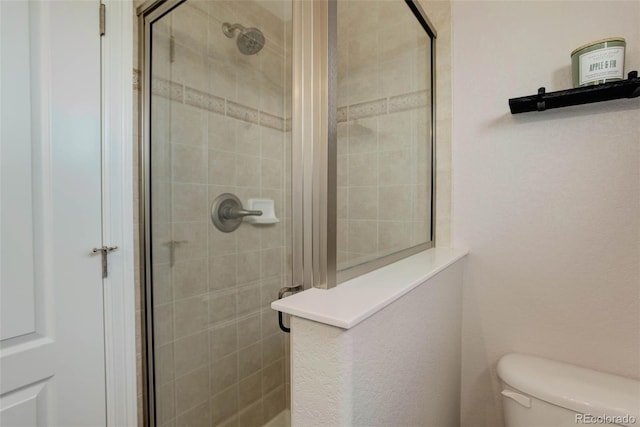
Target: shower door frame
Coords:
[[148, 12], [376, 263], [309, 105]]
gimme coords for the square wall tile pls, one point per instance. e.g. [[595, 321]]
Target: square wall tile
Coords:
[[223, 340], [224, 373], [192, 389], [191, 315], [191, 353]]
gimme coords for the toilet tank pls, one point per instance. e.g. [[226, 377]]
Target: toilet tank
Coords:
[[539, 392]]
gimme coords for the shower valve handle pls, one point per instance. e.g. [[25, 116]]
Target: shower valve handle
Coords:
[[235, 213], [227, 212]]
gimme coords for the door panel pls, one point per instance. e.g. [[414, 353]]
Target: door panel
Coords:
[[22, 405], [17, 305], [52, 348]]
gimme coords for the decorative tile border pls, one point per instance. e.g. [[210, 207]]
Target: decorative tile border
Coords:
[[239, 111], [342, 114], [216, 104], [176, 91], [272, 122], [380, 107], [204, 100], [196, 98], [367, 109], [167, 89], [213, 103], [409, 101]]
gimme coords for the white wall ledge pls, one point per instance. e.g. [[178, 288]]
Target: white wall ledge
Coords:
[[354, 300]]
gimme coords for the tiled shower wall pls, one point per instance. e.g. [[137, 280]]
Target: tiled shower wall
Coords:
[[218, 125], [383, 130]]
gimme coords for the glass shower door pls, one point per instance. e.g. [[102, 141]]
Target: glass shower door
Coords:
[[219, 123]]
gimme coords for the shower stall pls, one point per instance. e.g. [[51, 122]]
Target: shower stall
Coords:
[[285, 145]]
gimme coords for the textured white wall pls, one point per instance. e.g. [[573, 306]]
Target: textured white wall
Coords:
[[548, 203], [399, 367]]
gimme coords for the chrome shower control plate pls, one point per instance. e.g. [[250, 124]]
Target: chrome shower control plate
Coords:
[[227, 212]]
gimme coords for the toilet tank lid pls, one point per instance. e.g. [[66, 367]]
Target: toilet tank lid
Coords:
[[572, 387]]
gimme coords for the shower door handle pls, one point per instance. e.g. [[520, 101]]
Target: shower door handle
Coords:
[[281, 292]]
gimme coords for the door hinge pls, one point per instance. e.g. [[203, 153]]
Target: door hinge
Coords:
[[103, 19]]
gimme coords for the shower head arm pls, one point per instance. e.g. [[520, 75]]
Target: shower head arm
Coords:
[[230, 29]]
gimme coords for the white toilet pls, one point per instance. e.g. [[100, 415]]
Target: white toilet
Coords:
[[543, 393]]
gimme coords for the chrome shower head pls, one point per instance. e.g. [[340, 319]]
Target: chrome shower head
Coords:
[[250, 40]]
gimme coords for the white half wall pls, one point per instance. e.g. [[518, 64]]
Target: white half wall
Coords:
[[399, 367], [547, 203]]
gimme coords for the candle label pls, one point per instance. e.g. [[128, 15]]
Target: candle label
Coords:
[[601, 64]]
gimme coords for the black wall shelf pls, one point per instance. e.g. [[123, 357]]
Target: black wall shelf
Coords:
[[629, 88]]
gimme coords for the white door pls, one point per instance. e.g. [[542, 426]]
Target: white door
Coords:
[[52, 339]]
